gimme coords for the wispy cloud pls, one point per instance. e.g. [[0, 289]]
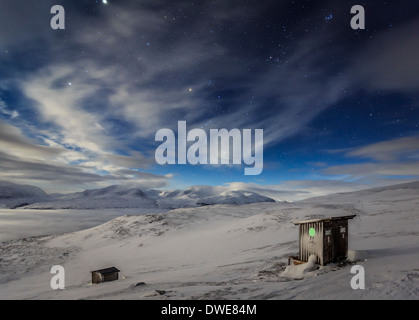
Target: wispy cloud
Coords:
[[155, 87], [376, 169], [407, 147], [5, 110], [392, 158], [294, 190], [27, 160], [15, 143]]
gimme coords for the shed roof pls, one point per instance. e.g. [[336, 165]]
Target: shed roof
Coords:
[[326, 219], [106, 271]]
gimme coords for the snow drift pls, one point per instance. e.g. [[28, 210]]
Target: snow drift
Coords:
[[298, 272]]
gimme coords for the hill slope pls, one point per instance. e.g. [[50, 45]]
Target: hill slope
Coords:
[[15, 195]]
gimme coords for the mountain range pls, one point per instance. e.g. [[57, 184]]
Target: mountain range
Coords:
[[117, 196]]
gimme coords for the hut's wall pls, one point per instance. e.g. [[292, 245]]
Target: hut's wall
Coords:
[[111, 277], [97, 277], [335, 240], [311, 245]]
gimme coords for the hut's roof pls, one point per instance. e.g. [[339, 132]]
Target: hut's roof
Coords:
[[326, 219], [106, 271]]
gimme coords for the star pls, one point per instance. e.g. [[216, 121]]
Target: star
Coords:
[[190, 89], [105, 1], [329, 17]]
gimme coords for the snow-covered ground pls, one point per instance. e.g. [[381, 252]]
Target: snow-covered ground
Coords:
[[22, 223], [226, 251]]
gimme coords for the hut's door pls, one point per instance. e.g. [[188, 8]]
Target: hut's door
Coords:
[[342, 240], [328, 244]]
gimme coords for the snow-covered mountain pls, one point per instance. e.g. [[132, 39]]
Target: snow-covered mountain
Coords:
[[206, 195], [128, 197], [109, 197], [15, 195]]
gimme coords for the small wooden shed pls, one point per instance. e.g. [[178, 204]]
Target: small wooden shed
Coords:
[[327, 238], [105, 275]]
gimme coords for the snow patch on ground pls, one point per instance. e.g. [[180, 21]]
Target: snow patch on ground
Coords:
[[298, 272]]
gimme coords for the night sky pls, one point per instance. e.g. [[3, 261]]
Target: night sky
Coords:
[[79, 108]]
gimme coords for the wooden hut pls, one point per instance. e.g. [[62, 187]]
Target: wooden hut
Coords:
[[327, 238], [105, 275]]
